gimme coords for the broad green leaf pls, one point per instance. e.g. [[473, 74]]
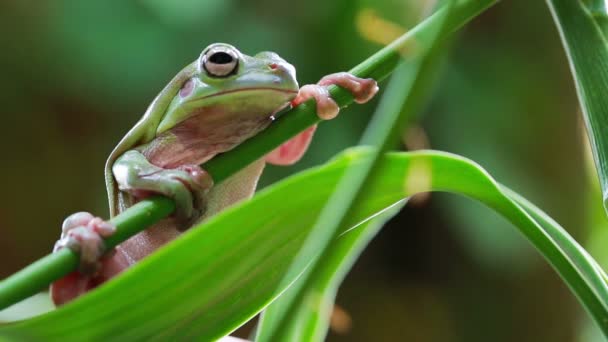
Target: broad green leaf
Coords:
[[217, 276], [580, 26]]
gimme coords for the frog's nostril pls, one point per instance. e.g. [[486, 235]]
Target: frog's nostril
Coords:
[[273, 66]]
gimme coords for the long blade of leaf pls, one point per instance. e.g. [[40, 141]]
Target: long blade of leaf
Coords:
[[587, 50], [216, 277], [311, 321]]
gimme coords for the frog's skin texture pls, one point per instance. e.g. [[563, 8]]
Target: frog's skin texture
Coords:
[[212, 105]]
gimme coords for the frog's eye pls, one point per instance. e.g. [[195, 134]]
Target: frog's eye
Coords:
[[220, 61]]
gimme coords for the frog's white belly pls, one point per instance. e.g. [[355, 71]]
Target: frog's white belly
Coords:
[[194, 141], [202, 136]]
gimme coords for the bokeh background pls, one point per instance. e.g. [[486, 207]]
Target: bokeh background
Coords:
[[76, 75]]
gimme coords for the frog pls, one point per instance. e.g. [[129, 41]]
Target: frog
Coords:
[[213, 104]]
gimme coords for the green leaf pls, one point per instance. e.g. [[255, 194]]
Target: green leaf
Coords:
[[217, 276], [311, 320], [580, 28], [284, 319]]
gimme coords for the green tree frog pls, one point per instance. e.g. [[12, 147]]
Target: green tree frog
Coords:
[[212, 105]]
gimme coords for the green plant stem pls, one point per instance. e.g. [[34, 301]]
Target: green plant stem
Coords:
[[378, 66], [40, 274]]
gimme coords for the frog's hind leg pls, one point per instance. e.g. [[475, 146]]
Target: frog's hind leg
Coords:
[[361, 89], [83, 233]]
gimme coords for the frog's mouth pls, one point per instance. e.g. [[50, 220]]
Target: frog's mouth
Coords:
[[251, 102], [229, 105], [245, 91]]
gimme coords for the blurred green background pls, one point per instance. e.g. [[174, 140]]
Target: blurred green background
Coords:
[[76, 75]]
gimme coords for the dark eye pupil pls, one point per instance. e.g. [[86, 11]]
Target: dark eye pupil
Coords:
[[220, 58]]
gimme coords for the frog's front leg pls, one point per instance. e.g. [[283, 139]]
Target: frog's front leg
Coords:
[[186, 185], [362, 90]]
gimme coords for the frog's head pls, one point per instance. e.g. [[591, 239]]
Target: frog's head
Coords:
[[224, 79]]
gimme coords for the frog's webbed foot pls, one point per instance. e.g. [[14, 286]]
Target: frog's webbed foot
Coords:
[[362, 89], [83, 233], [186, 185]]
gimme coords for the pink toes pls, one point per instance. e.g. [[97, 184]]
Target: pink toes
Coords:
[[101, 227], [327, 108], [363, 89], [84, 233], [200, 177], [84, 219]]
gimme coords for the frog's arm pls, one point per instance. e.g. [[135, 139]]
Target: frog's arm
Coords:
[[144, 131]]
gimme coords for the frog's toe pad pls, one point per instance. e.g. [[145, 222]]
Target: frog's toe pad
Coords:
[[362, 89], [200, 177], [83, 233], [327, 108]]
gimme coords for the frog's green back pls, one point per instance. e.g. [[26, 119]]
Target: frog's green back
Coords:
[[144, 131]]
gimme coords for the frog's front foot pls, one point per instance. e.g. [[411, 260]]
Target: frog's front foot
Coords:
[[186, 185], [83, 233], [362, 89]]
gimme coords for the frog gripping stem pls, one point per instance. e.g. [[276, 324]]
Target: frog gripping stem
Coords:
[[83, 233], [362, 90]]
